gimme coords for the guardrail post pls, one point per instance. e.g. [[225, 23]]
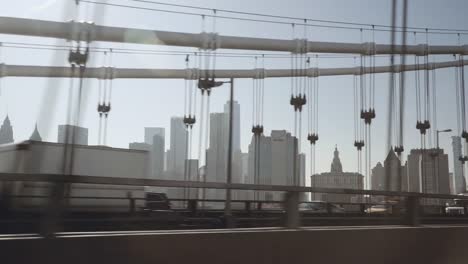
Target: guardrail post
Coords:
[[413, 208], [192, 207], [292, 210], [259, 206], [132, 203], [362, 208], [248, 208], [329, 208]]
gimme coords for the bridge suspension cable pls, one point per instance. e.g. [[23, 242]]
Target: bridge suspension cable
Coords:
[[67, 30], [148, 73], [312, 86], [247, 16]]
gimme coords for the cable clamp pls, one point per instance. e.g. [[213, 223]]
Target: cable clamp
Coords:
[[195, 74], [191, 74], [357, 70], [422, 50], [301, 46], [369, 48], [431, 66], [210, 41], [313, 72], [464, 50], [259, 73], [81, 31]]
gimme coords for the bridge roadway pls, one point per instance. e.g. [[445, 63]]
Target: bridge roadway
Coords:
[[432, 244]]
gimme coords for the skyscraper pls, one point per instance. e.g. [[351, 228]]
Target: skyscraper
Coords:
[[217, 153], [378, 177], [391, 176], [277, 155], [176, 155], [284, 158], [261, 163], [427, 171], [151, 131], [235, 124], [155, 145], [459, 183], [157, 156], [72, 135], [6, 132]]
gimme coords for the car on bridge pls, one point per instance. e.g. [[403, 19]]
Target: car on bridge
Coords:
[[320, 207]]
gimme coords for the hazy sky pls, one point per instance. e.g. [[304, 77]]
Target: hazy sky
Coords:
[[140, 103]]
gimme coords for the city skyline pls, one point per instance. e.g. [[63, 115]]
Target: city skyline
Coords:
[[180, 130], [129, 107]]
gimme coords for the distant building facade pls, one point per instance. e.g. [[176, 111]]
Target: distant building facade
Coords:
[[150, 132], [278, 162], [87, 161], [68, 134], [156, 155], [336, 178], [217, 152], [177, 153], [391, 176], [139, 146], [428, 171], [459, 184], [378, 177]]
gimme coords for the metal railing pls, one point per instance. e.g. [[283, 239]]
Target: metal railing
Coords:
[[292, 214]]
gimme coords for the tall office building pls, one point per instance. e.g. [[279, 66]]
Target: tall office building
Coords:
[[216, 163], [217, 153], [391, 176], [260, 162], [150, 132], [157, 156], [459, 181], [235, 124], [427, 171], [155, 136], [156, 152], [6, 132], [176, 155], [378, 177], [72, 135], [277, 160], [245, 167], [283, 157]]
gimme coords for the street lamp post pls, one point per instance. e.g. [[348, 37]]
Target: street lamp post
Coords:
[[227, 207], [437, 135], [227, 204]]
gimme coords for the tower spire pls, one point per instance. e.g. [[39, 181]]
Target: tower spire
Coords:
[[336, 164], [35, 135], [6, 131]]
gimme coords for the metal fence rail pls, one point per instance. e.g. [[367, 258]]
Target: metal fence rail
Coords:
[[59, 178]]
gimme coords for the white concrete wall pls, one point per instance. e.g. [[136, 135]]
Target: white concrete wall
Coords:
[[48, 158]]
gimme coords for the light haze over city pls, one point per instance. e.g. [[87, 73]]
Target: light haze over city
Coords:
[[151, 103]]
